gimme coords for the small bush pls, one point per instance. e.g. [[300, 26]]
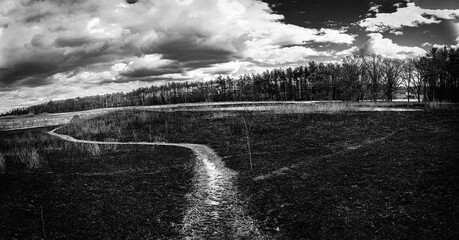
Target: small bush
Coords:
[[76, 120]]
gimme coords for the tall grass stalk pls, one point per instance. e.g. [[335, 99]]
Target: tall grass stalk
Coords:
[[2, 164], [247, 135], [134, 135]]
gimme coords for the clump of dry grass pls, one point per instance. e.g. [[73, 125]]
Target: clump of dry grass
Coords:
[[93, 149], [110, 147], [159, 138], [30, 157]]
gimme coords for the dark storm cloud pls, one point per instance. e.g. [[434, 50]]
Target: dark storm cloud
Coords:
[[72, 41], [196, 64], [34, 81], [35, 10], [59, 2], [148, 72], [41, 65], [191, 52], [438, 4], [36, 17], [26, 73]]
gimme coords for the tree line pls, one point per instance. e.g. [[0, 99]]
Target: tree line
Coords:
[[433, 77]]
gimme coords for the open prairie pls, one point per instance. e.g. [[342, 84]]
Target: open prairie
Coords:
[[229, 119], [257, 171], [54, 119]]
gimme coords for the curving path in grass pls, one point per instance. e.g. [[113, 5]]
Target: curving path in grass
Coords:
[[215, 210]]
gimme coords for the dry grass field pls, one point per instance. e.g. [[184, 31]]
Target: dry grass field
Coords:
[[333, 172], [54, 119]]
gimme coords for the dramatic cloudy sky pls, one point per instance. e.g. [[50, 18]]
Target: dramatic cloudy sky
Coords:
[[56, 49]]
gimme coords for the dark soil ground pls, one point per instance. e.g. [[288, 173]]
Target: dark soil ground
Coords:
[[127, 192], [356, 175]]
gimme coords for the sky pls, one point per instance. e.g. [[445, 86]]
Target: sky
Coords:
[[58, 49]]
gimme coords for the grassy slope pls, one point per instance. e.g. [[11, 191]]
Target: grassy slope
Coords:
[[402, 187], [124, 193]]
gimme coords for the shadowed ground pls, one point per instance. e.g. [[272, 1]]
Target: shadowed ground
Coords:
[[215, 210]]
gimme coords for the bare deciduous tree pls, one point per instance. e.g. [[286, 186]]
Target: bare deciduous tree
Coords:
[[374, 73], [351, 82], [392, 78], [412, 79]]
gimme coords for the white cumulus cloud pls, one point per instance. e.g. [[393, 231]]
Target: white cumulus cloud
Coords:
[[409, 16], [377, 44]]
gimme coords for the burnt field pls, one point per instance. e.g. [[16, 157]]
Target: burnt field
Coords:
[[88, 192], [302, 175]]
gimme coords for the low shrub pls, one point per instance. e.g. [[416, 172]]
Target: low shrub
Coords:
[[76, 120]]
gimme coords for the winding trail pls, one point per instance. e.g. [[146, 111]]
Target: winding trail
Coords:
[[215, 210]]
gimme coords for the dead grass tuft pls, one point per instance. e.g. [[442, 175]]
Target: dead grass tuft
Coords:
[[159, 138], [93, 149], [30, 157]]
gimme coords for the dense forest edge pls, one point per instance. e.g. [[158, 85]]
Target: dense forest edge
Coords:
[[430, 78]]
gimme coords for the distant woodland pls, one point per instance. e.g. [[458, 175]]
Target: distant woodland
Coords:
[[433, 77]]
